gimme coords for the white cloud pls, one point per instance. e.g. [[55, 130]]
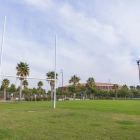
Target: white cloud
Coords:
[[38, 3], [102, 46]]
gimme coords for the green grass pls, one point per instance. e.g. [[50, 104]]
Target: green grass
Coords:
[[70, 120]]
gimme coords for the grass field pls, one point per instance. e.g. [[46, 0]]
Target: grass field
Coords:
[[71, 120]]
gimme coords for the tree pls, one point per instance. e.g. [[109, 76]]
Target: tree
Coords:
[[25, 83], [90, 85], [34, 90], [27, 91], [2, 88], [132, 88], [93, 90], [40, 84], [51, 75], [73, 89], [91, 81], [5, 84], [115, 86], [83, 89], [12, 88], [74, 79], [18, 88], [125, 87], [138, 87], [23, 70]]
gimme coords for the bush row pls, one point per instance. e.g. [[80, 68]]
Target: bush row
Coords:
[[38, 99]]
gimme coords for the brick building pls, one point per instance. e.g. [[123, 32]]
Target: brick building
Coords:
[[102, 86]]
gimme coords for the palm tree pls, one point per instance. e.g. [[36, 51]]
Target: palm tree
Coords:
[[91, 81], [115, 86], [74, 79], [40, 84], [138, 87], [125, 87], [90, 84], [5, 84], [25, 83], [51, 75], [23, 70], [132, 88]]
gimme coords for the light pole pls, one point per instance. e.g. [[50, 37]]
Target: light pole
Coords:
[[138, 68], [62, 83], [110, 88]]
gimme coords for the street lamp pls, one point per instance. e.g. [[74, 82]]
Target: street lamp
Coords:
[[62, 83], [138, 68]]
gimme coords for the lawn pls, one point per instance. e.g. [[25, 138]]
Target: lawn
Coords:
[[70, 120]]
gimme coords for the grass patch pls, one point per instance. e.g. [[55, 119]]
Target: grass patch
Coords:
[[52, 121], [5, 134], [125, 122], [76, 120], [128, 127]]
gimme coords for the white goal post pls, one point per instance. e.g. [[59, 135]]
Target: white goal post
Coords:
[[29, 77]]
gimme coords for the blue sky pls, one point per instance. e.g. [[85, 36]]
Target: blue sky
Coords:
[[98, 39]]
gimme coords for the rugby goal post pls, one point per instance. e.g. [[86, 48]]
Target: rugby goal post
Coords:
[[28, 77]]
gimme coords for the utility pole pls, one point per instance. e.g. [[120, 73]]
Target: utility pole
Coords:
[[62, 84]]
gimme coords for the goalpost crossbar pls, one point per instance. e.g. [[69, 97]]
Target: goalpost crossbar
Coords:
[[26, 77]]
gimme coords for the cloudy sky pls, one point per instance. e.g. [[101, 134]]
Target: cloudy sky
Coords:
[[96, 38]]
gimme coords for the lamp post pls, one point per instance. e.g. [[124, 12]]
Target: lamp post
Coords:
[[62, 83], [110, 88], [138, 68]]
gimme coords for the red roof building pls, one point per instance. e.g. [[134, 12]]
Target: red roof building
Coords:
[[102, 86]]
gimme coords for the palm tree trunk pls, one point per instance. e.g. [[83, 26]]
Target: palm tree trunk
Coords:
[[20, 90], [51, 92], [116, 93], [39, 91], [4, 94]]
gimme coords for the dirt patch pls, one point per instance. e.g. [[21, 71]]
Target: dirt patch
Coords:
[[31, 111], [3, 112], [68, 115]]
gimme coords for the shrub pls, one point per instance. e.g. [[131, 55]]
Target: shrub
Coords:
[[67, 98], [27, 99], [48, 98], [107, 97], [44, 98], [38, 99], [8, 98]]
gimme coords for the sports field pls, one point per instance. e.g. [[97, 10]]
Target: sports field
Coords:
[[71, 120]]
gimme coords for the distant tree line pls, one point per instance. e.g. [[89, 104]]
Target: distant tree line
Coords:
[[90, 89]]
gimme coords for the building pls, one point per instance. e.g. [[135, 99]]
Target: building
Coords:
[[101, 86]]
